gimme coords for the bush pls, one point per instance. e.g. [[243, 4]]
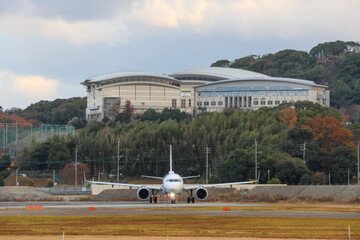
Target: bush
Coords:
[[274, 181], [49, 183], [214, 179], [31, 183]]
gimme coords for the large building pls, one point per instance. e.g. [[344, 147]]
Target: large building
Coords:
[[200, 89]]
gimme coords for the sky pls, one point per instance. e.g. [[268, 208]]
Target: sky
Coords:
[[47, 48]]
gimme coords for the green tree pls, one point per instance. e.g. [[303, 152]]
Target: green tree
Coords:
[[59, 154]]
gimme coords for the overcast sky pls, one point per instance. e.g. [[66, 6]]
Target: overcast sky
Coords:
[[47, 48]]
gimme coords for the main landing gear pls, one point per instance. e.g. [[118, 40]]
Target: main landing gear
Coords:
[[191, 198], [153, 198]]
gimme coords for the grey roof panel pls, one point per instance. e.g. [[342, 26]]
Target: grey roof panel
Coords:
[[267, 78], [221, 72], [120, 74]]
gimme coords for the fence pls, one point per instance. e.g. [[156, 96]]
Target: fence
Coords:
[[66, 191], [16, 136]]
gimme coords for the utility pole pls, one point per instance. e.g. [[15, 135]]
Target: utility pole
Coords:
[[53, 177], [207, 150], [118, 162], [256, 160], [304, 150], [16, 172], [76, 168], [358, 164]]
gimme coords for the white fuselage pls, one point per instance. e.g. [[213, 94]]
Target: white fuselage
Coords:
[[173, 184]]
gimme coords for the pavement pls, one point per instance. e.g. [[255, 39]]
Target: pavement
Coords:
[[144, 208]]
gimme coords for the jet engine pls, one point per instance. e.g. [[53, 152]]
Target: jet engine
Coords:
[[143, 193], [201, 193]]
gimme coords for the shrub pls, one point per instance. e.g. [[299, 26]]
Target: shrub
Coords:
[[274, 181]]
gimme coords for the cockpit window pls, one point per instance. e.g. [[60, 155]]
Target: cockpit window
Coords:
[[173, 180]]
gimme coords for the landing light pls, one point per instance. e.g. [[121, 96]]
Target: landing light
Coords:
[[172, 195]]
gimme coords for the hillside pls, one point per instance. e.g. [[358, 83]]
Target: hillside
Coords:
[[336, 64]]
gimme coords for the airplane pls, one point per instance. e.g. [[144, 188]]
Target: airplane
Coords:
[[173, 184]]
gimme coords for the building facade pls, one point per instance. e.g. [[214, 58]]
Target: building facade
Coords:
[[195, 90]]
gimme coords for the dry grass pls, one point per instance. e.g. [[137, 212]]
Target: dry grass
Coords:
[[202, 226], [285, 206]]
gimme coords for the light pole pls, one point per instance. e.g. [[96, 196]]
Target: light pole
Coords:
[[268, 176]]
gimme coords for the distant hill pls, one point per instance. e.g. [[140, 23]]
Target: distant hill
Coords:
[[59, 111], [336, 64]]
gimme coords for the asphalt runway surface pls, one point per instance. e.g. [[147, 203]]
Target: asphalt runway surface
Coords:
[[144, 208]]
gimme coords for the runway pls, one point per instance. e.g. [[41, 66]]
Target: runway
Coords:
[[144, 208]]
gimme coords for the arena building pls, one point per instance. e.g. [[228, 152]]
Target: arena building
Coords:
[[196, 90]]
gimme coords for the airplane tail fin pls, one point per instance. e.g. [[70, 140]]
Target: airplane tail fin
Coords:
[[170, 158]]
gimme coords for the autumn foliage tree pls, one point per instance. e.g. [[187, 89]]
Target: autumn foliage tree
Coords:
[[67, 175], [128, 112], [329, 132], [288, 116]]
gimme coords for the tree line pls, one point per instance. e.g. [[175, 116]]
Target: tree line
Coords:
[[280, 132]]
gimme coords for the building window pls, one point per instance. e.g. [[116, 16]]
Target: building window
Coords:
[[199, 104], [284, 101], [277, 102], [173, 103], [220, 103], [249, 101], [231, 102], [183, 103], [226, 102], [206, 103], [235, 101], [245, 103], [270, 102], [262, 102], [185, 94], [213, 103], [189, 102], [256, 103], [240, 101]]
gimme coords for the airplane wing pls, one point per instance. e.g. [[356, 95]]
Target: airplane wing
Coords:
[[218, 184], [127, 185]]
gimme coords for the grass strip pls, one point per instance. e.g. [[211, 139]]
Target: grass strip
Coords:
[[205, 226]]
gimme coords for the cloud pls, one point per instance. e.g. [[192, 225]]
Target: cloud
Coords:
[[285, 19], [74, 32], [17, 90], [241, 19]]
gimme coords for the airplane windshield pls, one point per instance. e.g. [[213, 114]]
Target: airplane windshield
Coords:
[[173, 180]]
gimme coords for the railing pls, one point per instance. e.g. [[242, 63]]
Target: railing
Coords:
[[66, 190]]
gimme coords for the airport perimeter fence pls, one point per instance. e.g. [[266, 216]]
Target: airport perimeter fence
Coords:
[[66, 190], [16, 136]]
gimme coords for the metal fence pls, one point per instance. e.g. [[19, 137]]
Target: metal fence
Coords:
[[66, 190], [15, 136]]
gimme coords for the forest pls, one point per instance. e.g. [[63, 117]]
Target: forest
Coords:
[[280, 133]]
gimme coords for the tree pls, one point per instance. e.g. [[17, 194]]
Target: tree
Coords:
[[67, 174], [128, 112], [221, 63], [288, 116], [329, 133], [289, 170], [1, 109], [58, 154]]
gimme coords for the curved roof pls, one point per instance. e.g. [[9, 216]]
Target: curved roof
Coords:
[[267, 78], [219, 72], [107, 76]]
